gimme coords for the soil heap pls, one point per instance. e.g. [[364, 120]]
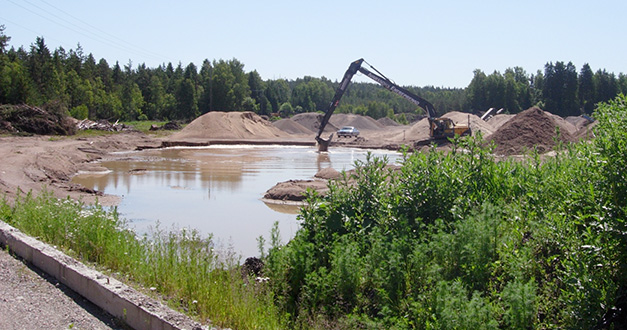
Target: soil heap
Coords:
[[229, 125], [49, 120], [357, 121], [312, 121], [499, 120], [290, 126], [530, 128], [386, 121]]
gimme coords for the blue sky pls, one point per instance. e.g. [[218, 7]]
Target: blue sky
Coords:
[[417, 43]]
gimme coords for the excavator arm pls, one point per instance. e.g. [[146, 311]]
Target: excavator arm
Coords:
[[383, 81], [352, 69]]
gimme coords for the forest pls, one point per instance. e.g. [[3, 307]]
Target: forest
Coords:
[[95, 89]]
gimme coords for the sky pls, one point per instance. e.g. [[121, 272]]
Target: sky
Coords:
[[414, 43]]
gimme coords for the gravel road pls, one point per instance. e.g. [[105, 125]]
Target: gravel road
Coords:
[[30, 299]]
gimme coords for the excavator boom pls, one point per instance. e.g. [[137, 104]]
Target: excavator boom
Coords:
[[439, 127]]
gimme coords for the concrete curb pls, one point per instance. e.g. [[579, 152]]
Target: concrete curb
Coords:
[[118, 299]]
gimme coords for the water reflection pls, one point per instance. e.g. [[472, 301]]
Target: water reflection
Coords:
[[216, 190]]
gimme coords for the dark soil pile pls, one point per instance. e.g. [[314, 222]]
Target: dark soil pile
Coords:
[[50, 120], [528, 129]]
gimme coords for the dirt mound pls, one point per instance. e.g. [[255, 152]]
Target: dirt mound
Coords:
[[357, 121], [294, 190], [579, 121], [290, 126], [229, 125], [416, 132], [49, 120], [532, 127], [563, 124], [386, 121], [328, 174], [312, 120]]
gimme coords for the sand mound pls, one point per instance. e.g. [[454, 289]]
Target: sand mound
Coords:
[[229, 125], [532, 127], [328, 173], [416, 132], [563, 124], [357, 121], [386, 121], [579, 121], [311, 120], [499, 120], [290, 126]]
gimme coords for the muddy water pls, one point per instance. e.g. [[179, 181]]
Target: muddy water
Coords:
[[216, 190]]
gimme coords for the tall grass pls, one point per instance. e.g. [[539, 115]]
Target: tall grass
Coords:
[[180, 264]]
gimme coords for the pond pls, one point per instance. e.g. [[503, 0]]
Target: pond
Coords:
[[216, 190]]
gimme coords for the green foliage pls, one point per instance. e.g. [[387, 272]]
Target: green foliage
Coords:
[[181, 264], [80, 112], [462, 240], [286, 110]]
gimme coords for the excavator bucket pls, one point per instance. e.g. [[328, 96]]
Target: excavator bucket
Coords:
[[323, 145]]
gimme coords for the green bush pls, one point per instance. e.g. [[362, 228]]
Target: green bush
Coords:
[[461, 239]]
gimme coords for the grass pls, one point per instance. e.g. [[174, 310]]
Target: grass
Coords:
[[181, 264]]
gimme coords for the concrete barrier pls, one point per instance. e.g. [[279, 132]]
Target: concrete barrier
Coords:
[[118, 299]]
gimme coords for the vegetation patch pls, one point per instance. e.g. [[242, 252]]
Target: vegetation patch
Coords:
[[463, 239], [180, 265]]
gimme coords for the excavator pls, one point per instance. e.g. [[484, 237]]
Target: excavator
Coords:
[[439, 128]]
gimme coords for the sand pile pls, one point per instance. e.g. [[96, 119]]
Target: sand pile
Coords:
[[357, 121], [578, 121], [499, 120], [386, 121], [416, 132], [532, 127], [229, 125], [312, 120], [292, 127]]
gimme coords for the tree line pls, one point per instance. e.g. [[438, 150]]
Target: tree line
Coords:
[[92, 89]]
